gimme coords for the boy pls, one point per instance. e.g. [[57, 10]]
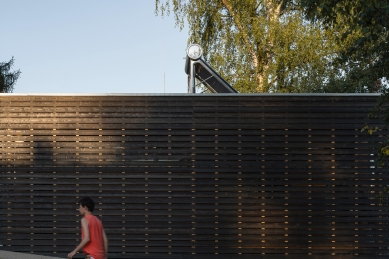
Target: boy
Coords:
[[94, 241]]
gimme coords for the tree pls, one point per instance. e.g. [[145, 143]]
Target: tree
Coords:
[[7, 78], [260, 45], [371, 16], [367, 56]]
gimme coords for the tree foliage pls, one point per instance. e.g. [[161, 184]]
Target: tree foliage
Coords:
[[366, 59], [368, 56], [8, 78], [370, 16], [261, 45]]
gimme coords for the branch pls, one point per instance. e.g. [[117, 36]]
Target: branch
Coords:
[[245, 38]]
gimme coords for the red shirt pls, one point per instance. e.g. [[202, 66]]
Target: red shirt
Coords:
[[95, 247]]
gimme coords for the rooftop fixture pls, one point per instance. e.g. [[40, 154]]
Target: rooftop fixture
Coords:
[[196, 67]]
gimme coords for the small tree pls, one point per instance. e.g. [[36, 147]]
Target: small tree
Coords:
[[7, 78]]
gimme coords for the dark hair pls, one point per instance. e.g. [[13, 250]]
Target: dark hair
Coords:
[[87, 202]]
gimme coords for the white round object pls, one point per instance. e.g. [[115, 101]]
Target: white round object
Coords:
[[194, 51]]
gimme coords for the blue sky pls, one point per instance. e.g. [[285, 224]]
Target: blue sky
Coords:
[[92, 46]]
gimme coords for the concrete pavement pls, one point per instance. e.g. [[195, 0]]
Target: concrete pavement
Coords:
[[14, 255]]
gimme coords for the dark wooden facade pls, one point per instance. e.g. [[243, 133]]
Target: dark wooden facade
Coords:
[[193, 176]]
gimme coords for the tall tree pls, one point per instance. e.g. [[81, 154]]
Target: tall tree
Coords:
[[368, 54], [8, 78], [366, 60], [259, 45]]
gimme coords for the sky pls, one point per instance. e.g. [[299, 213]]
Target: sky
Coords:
[[92, 46]]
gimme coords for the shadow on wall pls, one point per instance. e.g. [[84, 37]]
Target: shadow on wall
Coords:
[[182, 178]]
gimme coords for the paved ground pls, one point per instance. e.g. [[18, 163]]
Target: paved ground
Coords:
[[13, 255]]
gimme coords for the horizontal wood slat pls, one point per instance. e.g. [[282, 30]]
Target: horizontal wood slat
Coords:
[[197, 176]]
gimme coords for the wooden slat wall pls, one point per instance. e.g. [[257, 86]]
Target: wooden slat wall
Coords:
[[193, 176]]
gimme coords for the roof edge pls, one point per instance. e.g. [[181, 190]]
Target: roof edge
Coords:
[[186, 95]]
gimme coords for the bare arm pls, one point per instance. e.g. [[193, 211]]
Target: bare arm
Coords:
[[105, 242], [84, 241]]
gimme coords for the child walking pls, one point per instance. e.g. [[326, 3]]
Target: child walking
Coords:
[[94, 240]]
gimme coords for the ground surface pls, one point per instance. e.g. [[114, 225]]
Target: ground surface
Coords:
[[13, 255]]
